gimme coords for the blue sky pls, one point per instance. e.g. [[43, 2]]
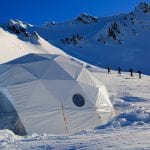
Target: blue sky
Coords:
[[40, 11]]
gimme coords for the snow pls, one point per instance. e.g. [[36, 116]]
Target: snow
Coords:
[[12, 47], [121, 40], [129, 129], [128, 139], [102, 44]]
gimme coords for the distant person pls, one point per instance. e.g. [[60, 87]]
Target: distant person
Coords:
[[119, 70], [108, 70], [140, 76], [131, 72]]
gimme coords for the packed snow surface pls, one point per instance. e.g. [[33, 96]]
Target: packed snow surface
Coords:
[[129, 129]]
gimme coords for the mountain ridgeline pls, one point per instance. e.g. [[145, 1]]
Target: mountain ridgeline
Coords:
[[116, 41]]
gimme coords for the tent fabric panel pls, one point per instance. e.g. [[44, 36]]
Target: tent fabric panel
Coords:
[[76, 89], [69, 66], [16, 75], [90, 91], [4, 68], [42, 99], [106, 115], [31, 96], [84, 77], [64, 91], [47, 69], [103, 102], [5, 104], [20, 94], [71, 69], [51, 122], [60, 89], [55, 72], [27, 59], [81, 120], [37, 68], [103, 105], [35, 105]]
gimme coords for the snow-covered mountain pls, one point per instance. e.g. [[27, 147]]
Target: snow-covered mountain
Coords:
[[16, 45], [121, 40]]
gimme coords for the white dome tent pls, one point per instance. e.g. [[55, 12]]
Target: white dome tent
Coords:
[[52, 94]]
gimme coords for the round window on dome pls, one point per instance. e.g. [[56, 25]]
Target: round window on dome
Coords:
[[78, 100]]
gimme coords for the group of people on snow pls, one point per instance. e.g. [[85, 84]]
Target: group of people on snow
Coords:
[[130, 70]]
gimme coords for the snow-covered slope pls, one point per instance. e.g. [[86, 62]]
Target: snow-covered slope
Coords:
[[121, 40], [12, 47]]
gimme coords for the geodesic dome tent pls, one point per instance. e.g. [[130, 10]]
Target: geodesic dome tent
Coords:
[[52, 94]]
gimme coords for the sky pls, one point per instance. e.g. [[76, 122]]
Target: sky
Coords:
[[39, 11]]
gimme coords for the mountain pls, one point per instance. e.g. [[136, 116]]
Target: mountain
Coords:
[[120, 40], [13, 44]]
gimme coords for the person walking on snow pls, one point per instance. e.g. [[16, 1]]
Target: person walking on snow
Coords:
[[131, 72], [108, 69], [119, 70], [139, 72]]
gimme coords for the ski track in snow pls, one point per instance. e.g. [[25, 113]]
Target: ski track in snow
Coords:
[[129, 130]]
